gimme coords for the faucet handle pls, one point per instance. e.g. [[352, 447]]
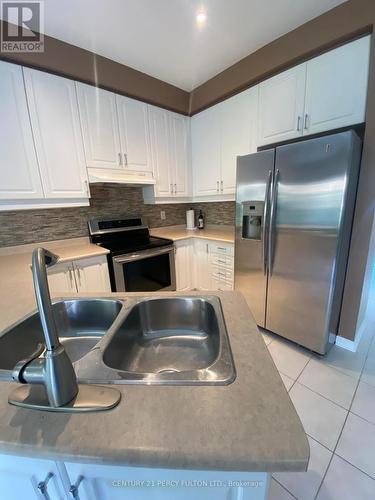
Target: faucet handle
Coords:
[[18, 370]]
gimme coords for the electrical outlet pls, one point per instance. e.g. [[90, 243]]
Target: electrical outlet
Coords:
[[162, 215]]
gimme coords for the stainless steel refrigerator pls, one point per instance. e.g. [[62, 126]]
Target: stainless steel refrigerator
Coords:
[[294, 213]]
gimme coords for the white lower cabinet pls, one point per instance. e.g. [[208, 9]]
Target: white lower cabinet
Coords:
[[204, 265], [201, 274], [92, 274], [61, 278], [83, 275], [183, 259], [30, 478], [103, 482], [222, 265]]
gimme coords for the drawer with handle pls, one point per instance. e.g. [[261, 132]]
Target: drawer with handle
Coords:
[[221, 248]]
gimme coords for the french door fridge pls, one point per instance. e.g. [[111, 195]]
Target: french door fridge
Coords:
[[294, 213]]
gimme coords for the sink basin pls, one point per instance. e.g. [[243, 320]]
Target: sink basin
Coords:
[[174, 340], [81, 323]]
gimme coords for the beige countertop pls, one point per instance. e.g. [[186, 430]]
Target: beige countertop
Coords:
[[17, 291], [249, 425], [176, 233]]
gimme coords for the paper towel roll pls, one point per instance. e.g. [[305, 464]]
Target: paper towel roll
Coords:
[[190, 220]]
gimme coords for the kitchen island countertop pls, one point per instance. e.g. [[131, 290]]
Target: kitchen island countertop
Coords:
[[249, 425]]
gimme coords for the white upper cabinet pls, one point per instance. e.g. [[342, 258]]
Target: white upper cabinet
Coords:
[[19, 172], [205, 139], [159, 133], [219, 135], [180, 154], [281, 105], [55, 122], [170, 150], [134, 134], [238, 134], [336, 87], [100, 129], [326, 93]]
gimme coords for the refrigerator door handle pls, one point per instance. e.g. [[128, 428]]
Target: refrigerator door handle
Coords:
[[272, 221], [265, 221]]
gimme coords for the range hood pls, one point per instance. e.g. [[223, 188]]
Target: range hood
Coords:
[[119, 176]]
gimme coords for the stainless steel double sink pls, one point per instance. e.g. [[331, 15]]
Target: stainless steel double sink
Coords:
[[162, 340]]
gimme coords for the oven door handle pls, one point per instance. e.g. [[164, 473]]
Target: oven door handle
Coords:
[[144, 254]]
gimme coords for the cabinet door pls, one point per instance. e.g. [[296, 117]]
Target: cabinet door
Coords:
[[92, 275], [100, 129], [183, 258], [202, 265], [61, 279], [104, 482], [19, 170], [134, 134], [336, 87], [159, 132], [20, 477], [205, 140], [281, 105], [238, 134], [180, 153], [55, 122]]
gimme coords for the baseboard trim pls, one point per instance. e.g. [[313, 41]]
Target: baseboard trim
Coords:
[[351, 345]]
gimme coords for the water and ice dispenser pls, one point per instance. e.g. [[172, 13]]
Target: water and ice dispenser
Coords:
[[252, 219]]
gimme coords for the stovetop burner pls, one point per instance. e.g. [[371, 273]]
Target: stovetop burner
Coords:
[[124, 235]]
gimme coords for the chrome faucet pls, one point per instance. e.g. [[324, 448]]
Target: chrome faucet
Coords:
[[56, 386]]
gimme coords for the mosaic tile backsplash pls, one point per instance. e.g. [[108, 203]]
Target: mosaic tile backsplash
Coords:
[[30, 226]]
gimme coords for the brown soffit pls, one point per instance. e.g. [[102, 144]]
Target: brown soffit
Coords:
[[343, 23], [73, 62]]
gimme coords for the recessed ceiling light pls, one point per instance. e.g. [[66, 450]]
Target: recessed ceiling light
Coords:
[[201, 17]]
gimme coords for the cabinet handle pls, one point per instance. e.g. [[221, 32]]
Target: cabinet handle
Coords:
[[305, 123], [125, 159], [87, 188], [43, 485], [71, 277], [298, 123], [73, 490], [79, 276], [222, 186], [120, 159], [206, 247], [175, 189], [217, 186], [171, 188]]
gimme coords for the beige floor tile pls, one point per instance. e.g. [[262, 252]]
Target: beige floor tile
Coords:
[[345, 482], [288, 382], [368, 374], [305, 485], [321, 419], [350, 363], [364, 402], [289, 359], [357, 444], [277, 492], [329, 382], [367, 337]]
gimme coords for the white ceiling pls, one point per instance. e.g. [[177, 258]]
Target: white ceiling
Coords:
[[161, 37]]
